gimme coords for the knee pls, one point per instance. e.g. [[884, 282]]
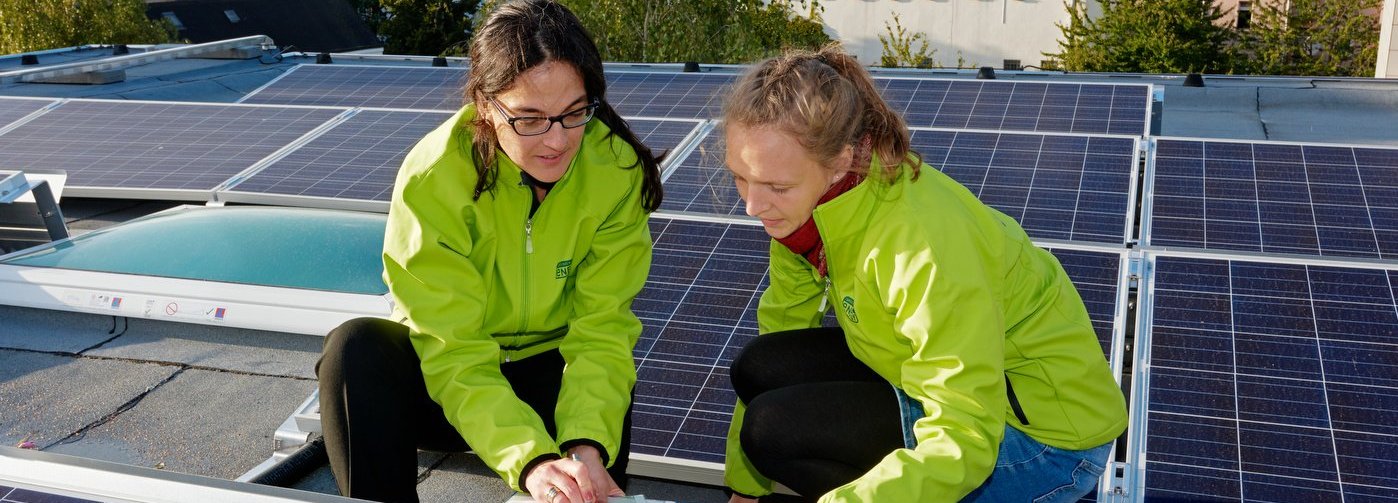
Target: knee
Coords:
[[361, 340]]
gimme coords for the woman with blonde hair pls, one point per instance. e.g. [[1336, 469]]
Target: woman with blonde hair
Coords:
[[964, 366]]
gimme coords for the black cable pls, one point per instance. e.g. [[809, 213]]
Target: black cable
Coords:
[[296, 466]]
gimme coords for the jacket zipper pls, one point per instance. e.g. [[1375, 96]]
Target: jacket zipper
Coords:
[[529, 235], [825, 296]]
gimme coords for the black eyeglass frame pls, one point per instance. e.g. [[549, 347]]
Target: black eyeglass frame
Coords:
[[591, 108]]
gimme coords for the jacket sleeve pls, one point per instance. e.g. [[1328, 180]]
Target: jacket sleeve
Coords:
[[948, 315], [791, 302], [600, 371], [439, 294]]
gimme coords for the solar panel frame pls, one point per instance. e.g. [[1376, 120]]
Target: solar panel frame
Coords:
[[205, 147], [698, 183], [1004, 108], [1265, 375], [275, 178], [1273, 237]]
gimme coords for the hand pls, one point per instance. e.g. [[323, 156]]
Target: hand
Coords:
[[602, 481], [739, 499], [560, 481]]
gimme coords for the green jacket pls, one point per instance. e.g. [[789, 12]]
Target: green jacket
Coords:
[[480, 282], [944, 297]]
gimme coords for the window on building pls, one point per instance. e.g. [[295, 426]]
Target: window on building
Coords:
[[1244, 14]]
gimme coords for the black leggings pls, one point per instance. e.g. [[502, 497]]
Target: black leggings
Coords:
[[375, 412], [817, 418]]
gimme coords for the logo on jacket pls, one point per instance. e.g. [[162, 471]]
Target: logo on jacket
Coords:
[[560, 271], [848, 304]]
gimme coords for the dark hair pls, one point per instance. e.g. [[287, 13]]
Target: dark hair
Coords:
[[826, 101], [519, 36]]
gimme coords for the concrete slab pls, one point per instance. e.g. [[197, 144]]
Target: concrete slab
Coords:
[[462, 477], [44, 398], [209, 423], [53, 331], [1212, 112], [205, 346], [1330, 115]]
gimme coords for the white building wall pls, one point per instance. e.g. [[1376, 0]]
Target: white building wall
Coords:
[[1388, 51], [984, 32]]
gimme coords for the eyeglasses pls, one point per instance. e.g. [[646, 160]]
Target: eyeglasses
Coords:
[[534, 126]]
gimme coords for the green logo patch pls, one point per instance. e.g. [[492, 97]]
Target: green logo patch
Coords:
[[848, 304], [561, 270]]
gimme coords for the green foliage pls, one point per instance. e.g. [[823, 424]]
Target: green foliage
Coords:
[[1151, 36], [898, 48], [419, 27], [1313, 37], [707, 31], [33, 25]]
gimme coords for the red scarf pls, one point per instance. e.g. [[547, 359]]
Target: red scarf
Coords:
[[805, 241]]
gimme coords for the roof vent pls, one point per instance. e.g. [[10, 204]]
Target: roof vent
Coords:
[[439, 61], [29, 59], [120, 49], [1194, 80], [691, 66], [323, 58], [986, 72]]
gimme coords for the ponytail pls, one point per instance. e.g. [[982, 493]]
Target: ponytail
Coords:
[[827, 101]]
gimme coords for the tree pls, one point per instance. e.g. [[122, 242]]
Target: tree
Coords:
[[1312, 37], [1152, 36], [420, 27], [898, 48], [32, 25], [707, 31]]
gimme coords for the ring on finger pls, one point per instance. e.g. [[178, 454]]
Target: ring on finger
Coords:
[[551, 494]]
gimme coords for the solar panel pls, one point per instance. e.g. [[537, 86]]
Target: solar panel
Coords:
[[353, 165], [1076, 188], [15, 109], [1269, 382], [675, 95], [356, 160], [666, 95], [170, 149], [698, 310], [1273, 198], [421, 88], [1021, 106]]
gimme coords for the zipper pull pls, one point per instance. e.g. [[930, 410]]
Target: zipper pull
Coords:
[[825, 296], [529, 235]]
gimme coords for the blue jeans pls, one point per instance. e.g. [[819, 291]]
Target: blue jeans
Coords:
[[1025, 469]]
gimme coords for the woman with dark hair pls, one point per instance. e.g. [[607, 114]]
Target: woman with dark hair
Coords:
[[964, 367], [517, 239]]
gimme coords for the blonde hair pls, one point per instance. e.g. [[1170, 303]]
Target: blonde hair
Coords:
[[826, 101]]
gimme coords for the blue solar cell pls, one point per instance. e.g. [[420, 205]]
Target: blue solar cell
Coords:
[[366, 86], [673, 95], [358, 159], [15, 109], [182, 147], [1272, 198], [1019, 106], [1258, 371]]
